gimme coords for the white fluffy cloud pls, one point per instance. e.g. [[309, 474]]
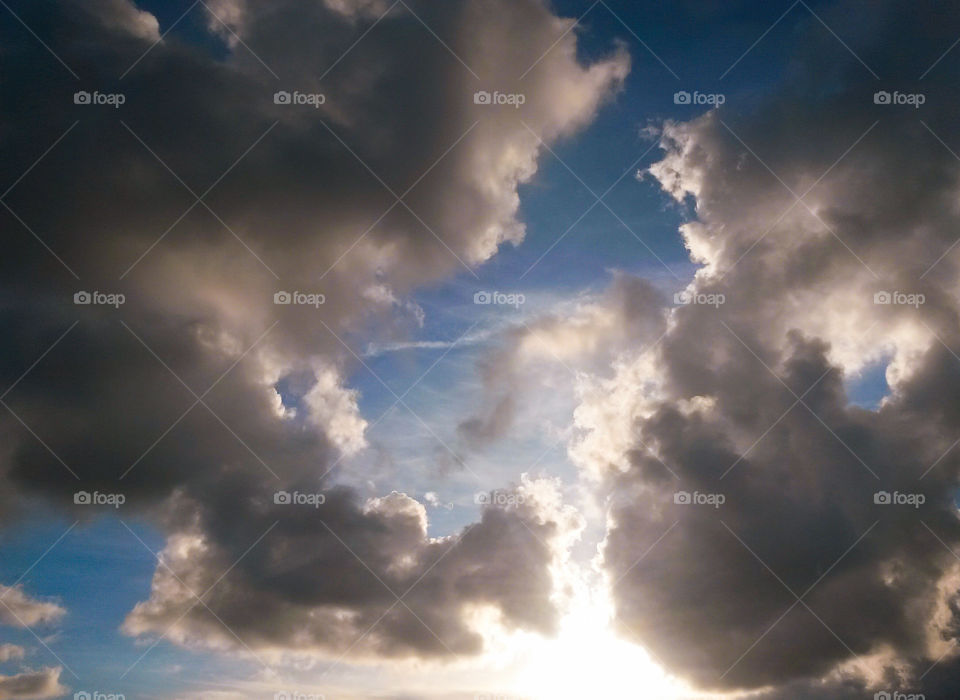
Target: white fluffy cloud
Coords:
[[20, 610]]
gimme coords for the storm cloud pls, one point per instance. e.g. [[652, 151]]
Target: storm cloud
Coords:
[[763, 530], [188, 224]]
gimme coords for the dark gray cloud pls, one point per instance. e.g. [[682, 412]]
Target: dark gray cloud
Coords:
[[801, 500], [405, 594], [169, 398], [712, 591]]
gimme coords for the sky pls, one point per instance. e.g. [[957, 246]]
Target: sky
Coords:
[[479, 349]]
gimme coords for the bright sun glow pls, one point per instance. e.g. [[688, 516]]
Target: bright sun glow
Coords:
[[588, 660]]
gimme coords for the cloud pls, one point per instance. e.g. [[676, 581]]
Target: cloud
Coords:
[[400, 177], [583, 336], [20, 610], [374, 350], [32, 684], [434, 501], [747, 399], [394, 593], [172, 398], [124, 17], [10, 652]]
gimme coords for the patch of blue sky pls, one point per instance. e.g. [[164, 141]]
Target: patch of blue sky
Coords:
[[92, 557], [869, 387]]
